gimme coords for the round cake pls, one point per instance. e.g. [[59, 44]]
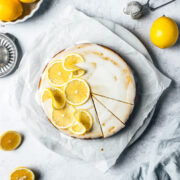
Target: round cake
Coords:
[[87, 91]]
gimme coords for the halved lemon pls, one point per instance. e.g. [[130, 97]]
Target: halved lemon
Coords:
[[22, 173], [63, 118], [10, 140], [70, 61], [77, 91], [57, 96], [84, 117], [78, 73], [56, 74], [78, 128]]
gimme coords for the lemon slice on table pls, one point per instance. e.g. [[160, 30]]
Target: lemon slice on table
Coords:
[[57, 96], [56, 74], [10, 140], [78, 73], [63, 118], [78, 128], [77, 91], [22, 173], [85, 118], [71, 60]]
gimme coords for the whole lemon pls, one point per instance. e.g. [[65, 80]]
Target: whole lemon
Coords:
[[10, 10], [164, 32]]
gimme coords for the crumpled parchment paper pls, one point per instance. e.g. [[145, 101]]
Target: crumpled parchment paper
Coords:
[[70, 28]]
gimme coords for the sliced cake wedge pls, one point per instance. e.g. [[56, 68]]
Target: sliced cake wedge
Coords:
[[109, 123], [120, 109]]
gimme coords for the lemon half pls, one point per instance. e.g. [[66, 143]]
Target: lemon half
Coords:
[[22, 173], [10, 140]]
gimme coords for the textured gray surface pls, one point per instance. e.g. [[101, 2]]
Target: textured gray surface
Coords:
[[47, 163]]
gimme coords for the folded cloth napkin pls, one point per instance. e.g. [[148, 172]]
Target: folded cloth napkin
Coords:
[[70, 28], [164, 161]]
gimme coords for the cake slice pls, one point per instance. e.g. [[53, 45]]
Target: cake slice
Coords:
[[109, 123], [120, 109]]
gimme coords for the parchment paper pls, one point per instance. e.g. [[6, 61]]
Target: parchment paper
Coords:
[[70, 28]]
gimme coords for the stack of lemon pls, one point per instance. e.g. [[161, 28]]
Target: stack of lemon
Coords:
[[10, 10], [67, 91]]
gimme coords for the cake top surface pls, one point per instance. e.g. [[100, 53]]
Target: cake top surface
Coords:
[[89, 91]]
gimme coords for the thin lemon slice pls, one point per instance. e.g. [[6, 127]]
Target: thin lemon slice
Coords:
[[10, 140], [63, 118], [45, 95], [57, 96], [56, 74], [22, 173], [77, 91], [78, 128], [84, 117], [78, 73], [71, 60]]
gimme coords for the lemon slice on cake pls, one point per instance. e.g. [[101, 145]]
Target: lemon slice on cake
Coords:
[[63, 118], [56, 74], [85, 118], [22, 173], [78, 128], [78, 73], [10, 140], [57, 96], [77, 91], [71, 60]]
